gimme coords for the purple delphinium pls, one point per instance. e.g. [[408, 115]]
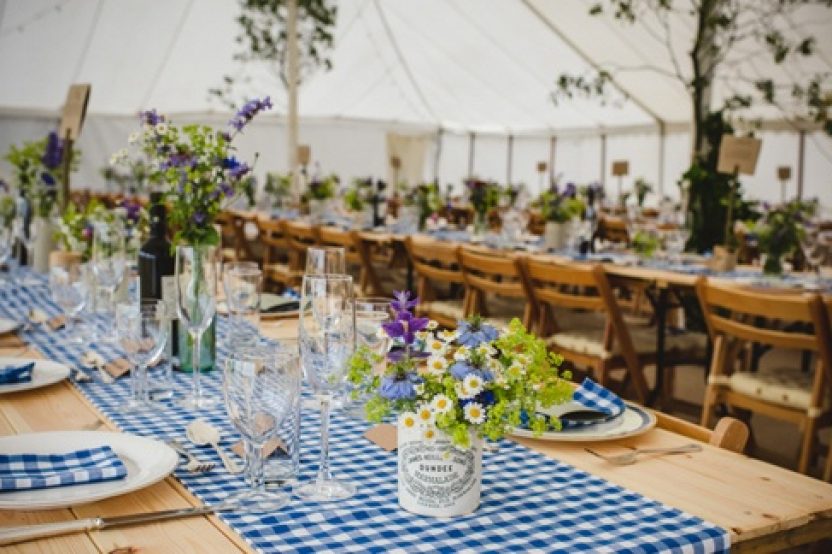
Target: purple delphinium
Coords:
[[199, 217], [403, 302], [473, 332], [54, 152], [150, 117], [400, 386], [248, 111], [570, 191], [47, 178]]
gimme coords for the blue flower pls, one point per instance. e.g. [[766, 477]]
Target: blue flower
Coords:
[[399, 387], [150, 117], [473, 333], [47, 178], [54, 151], [460, 370]]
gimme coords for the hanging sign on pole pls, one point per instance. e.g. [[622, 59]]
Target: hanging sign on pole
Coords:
[[738, 155]]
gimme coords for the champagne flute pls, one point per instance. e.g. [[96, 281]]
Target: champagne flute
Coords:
[[326, 260], [261, 386], [813, 250], [68, 285], [196, 304], [142, 332], [108, 263], [327, 340], [242, 284]]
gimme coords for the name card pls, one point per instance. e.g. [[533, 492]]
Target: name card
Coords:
[[75, 110], [395, 162], [541, 167], [738, 154], [620, 168], [304, 154], [784, 172], [383, 435]]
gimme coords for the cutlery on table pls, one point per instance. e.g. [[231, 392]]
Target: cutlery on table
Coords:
[[202, 433], [12, 535], [631, 457], [194, 464]]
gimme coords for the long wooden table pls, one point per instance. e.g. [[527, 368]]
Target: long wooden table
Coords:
[[764, 507]]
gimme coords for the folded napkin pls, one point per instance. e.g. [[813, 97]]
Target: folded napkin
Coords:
[[14, 374], [593, 396], [40, 471]]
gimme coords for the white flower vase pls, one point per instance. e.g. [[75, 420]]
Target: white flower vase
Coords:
[[44, 245], [436, 478], [554, 235]]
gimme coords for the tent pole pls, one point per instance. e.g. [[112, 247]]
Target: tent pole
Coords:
[[292, 92], [509, 159], [603, 161], [471, 139], [553, 149], [438, 157], [801, 158]]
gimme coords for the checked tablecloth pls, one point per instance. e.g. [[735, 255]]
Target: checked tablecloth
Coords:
[[530, 503]]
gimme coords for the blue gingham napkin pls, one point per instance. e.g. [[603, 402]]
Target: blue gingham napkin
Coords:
[[595, 397], [14, 374], [40, 471]]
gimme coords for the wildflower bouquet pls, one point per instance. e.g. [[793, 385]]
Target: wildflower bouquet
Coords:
[[198, 165], [474, 379], [323, 189]]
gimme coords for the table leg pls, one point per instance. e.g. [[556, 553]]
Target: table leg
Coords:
[[660, 308]]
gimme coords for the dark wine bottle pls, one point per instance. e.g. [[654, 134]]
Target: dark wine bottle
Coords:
[[156, 266]]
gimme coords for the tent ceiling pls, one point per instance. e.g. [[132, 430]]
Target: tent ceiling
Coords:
[[485, 66]]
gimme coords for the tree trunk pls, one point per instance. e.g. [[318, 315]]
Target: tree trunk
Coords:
[[702, 57]]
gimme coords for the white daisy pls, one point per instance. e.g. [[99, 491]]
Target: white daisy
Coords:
[[429, 434], [424, 335], [408, 419], [432, 325], [161, 128], [473, 384], [133, 138], [419, 388], [486, 349], [448, 335], [441, 404], [437, 365], [475, 413], [435, 347], [462, 392], [462, 353], [424, 414]]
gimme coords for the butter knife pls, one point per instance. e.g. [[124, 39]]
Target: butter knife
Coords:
[[12, 535]]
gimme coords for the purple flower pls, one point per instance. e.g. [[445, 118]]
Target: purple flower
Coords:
[[47, 179], [54, 152], [403, 302], [198, 217], [240, 170], [226, 189], [248, 111], [86, 232], [150, 117], [472, 333], [570, 191], [399, 387]]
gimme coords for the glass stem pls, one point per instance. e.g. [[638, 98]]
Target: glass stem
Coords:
[[254, 466], [197, 392], [144, 393], [323, 467]]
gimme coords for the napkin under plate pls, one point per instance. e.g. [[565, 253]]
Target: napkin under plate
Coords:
[[14, 374], [39, 471]]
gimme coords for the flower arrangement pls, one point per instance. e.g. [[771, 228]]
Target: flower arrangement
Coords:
[[75, 227], [560, 207], [780, 231], [483, 195], [359, 193], [36, 169], [323, 189], [130, 176], [642, 189], [645, 243], [198, 166], [475, 379], [278, 187]]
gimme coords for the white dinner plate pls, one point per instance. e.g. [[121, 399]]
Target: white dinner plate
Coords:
[[44, 373], [633, 422], [148, 461], [8, 325]]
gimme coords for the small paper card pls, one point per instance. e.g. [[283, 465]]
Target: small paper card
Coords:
[[383, 435], [268, 449], [56, 323], [117, 367], [738, 154], [620, 168]]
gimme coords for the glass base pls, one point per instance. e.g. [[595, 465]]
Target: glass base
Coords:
[[257, 501], [325, 490], [197, 403], [133, 405]]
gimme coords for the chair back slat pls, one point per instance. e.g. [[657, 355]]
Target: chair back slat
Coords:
[[333, 236], [493, 272], [563, 285], [435, 260]]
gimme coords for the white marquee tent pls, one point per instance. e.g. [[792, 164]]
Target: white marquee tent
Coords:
[[474, 77]]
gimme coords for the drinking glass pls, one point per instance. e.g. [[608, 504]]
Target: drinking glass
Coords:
[[261, 386], [108, 262], [68, 285], [242, 283], [196, 304], [7, 237], [326, 260], [370, 314], [814, 250], [142, 333], [327, 340]]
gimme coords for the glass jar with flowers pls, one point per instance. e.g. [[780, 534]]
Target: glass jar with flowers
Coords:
[[197, 167], [319, 196], [483, 196], [779, 233], [558, 209], [452, 389]]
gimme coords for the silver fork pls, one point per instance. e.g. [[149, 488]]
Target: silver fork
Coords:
[[194, 465], [631, 457]]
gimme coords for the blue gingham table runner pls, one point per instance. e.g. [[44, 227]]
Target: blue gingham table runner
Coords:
[[529, 502], [40, 471]]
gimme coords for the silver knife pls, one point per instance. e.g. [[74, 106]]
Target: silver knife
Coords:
[[12, 535]]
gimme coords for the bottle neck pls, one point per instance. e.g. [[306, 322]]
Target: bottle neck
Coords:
[[158, 222]]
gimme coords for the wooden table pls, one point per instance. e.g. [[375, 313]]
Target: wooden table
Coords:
[[764, 507]]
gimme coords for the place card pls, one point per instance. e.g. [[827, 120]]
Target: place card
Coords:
[[620, 168], [56, 323], [383, 435], [118, 367], [738, 154], [268, 449]]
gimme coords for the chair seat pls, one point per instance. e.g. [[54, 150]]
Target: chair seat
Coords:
[[788, 387], [451, 309], [229, 254], [590, 341]]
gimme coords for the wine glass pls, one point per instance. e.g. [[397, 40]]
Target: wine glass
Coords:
[[370, 314], [196, 304], [142, 333], [242, 284], [108, 262], [68, 285], [326, 260], [7, 237], [261, 386], [327, 340], [814, 250]]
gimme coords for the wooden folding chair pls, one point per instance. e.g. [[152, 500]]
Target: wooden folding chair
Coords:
[[495, 286], [299, 237], [738, 317], [278, 266], [366, 280], [582, 320], [439, 283], [228, 236]]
